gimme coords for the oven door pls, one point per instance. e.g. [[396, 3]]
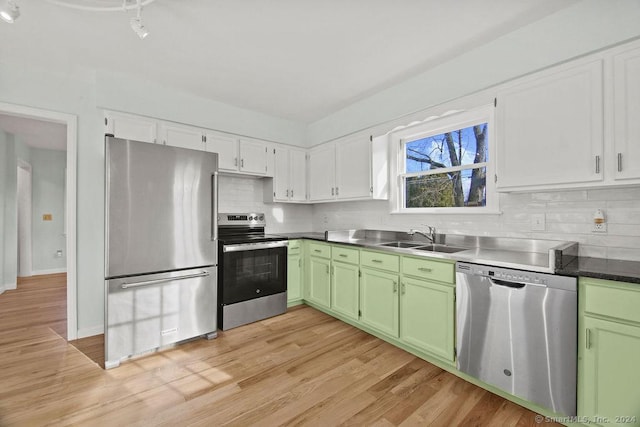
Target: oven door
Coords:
[[253, 270]]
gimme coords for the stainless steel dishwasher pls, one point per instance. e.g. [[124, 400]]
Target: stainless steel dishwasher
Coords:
[[517, 330]]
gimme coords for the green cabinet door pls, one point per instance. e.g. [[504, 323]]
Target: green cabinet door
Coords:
[[379, 301], [294, 278], [345, 285], [609, 372], [426, 316], [319, 290]]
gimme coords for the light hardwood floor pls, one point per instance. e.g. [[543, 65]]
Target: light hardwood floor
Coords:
[[301, 368]]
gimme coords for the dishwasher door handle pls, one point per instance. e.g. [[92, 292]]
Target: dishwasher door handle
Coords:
[[514, 285]]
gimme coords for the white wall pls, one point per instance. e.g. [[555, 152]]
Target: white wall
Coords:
[[239, 194], [3, 173], [47, 184]]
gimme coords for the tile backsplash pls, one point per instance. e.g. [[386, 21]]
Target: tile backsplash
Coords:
[[245, 194], [568, 216]]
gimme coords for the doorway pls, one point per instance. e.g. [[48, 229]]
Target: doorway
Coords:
[[69, 123]]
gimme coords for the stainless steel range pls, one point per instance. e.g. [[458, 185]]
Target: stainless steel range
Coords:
[[252, 281]]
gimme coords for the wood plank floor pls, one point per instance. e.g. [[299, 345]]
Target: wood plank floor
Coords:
[[301, 368]]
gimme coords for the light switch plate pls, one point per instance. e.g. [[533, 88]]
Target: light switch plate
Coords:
[[538, 222]]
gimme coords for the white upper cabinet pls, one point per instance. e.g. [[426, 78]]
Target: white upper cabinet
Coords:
[[353, 168], [227, 148], [550, 129], [181, 136], [350, 168], [626, 113], [132, 127], [289, 177], [322, 173], [253, 157]]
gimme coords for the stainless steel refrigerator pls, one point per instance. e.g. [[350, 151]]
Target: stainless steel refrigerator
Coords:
[[160, 246]]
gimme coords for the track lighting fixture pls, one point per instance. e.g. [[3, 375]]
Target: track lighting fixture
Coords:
[[9, 11], [110, 6]]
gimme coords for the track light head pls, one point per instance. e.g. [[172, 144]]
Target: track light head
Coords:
[[138, 28], [9, 11]]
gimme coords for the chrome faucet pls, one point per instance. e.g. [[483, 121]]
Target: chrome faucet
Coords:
[[431, 234]]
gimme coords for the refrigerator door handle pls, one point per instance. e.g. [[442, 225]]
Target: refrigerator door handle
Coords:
[[126, 285], [214, 212]]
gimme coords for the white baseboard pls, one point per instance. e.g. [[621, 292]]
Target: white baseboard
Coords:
[[51, 271], [9, 286], [1, 289], [91, 331]]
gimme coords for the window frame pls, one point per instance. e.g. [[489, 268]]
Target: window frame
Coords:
[[449, 121]]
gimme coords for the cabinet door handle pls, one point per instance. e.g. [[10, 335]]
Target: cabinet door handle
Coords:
[[619, 162], [587, 338], [342, 255], [327, 269], [597, 164], [235, 161], [292, 193], [333, 191], [300, 262], [293, 247], [395, 287], [241, 163], [317, 250], [403, 288], [337, 191], [287, 193], [377, 261], [425, 269]]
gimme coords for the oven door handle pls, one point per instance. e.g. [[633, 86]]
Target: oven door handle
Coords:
[[254, 246]]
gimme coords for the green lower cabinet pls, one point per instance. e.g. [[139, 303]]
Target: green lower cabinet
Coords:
[[319, 286], [609, 381], [427, 316], [294, 278], [345, 285], [379, 301]]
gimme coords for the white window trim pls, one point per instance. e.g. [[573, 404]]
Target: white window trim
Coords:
[[435, 126]]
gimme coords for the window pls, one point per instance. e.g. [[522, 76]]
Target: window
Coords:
[[445, 164]]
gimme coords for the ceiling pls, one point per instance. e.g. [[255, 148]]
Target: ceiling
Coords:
[[295, 59], [36, 133]]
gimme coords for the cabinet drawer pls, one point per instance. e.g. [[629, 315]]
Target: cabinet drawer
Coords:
[[379, 260], [428, 269], [319, 249], [613, 299], [350, 255], [294, 247]]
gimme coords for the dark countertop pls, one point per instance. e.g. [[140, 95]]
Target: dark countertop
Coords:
[[602, 268], [304, 235]]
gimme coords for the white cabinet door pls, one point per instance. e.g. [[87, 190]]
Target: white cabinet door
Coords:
[[182, 136], [281, 175], [131, 127], [253, 157], [353, 168], [227, 148], [298, 175], [322, 173], [626, 114], [550, 129]]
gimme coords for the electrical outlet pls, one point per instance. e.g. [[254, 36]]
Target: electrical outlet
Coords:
[[538, 222], [599, 228]]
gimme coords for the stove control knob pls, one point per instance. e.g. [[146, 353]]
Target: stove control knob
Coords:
[[261, 218], [250, 218]]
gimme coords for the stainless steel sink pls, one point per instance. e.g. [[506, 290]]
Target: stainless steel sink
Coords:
[[401, 244], [439, 248]]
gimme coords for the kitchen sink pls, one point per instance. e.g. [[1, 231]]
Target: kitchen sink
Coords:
[[439, 248], [401, 244]]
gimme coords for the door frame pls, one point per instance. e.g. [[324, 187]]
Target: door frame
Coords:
[[27, 236], [71, 121]]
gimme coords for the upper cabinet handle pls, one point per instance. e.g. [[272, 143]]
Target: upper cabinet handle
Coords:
[[619, 162], [597, 164]]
